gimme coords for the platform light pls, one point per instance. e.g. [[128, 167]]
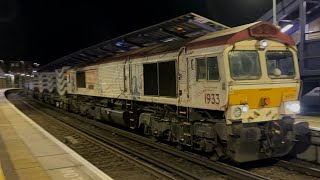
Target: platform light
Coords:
[[36, 64], [286, 28], [168, 40], [34, 71], [22, 74], [179, 28], [119, 43]]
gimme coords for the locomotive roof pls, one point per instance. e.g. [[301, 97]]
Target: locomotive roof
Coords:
[[223, 37], [151, 50], [258, 30], [224, 32], [189, 26]]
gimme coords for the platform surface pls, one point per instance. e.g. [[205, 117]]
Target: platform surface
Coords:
[[29, 152], [314, 121]]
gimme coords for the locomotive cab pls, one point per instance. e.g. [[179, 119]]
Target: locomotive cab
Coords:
[[263, 88], [266, 79]]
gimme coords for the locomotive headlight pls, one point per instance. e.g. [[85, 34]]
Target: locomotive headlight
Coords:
[[245, 109], [262, 44], [237, 112], [291, 107], [294, 107]]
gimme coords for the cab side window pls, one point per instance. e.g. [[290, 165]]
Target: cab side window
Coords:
[[207, 68], [201, 69], [213, 68]]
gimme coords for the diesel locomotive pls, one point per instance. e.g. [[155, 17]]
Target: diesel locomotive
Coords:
[[231, 94]]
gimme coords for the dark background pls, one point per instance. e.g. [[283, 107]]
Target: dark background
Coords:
[[44, 30]]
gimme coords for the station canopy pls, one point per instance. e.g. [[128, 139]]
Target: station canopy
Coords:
[[184, 27], [288, 13]]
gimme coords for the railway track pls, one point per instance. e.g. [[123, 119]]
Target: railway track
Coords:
[[189, 166], [221, 167], [298, 167], [185, 165], [279, 169]]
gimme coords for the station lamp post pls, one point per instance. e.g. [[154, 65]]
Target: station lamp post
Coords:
[[274, 12]]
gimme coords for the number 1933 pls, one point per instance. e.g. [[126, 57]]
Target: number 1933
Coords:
[[212, 98]]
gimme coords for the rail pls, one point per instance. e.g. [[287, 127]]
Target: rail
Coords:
[[213, 165], [299, 168]]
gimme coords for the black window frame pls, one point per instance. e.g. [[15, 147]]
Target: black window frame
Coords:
[[83, 83], [259, 63], [158, 79], [207, 70], [293, 63], [152, 90]]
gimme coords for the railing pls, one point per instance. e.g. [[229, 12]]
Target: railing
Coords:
[[312, 35], [311, 61]]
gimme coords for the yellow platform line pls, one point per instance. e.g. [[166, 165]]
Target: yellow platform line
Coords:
[[2, 177]]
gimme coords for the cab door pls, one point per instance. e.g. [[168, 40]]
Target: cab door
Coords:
[[204, 87]]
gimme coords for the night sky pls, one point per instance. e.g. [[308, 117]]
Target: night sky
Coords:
[[44, 30]]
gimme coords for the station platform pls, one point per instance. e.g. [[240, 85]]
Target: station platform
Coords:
[[29, 152], [312, 153], [313, 120]]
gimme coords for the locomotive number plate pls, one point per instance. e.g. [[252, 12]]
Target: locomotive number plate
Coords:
[[211, 98]]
